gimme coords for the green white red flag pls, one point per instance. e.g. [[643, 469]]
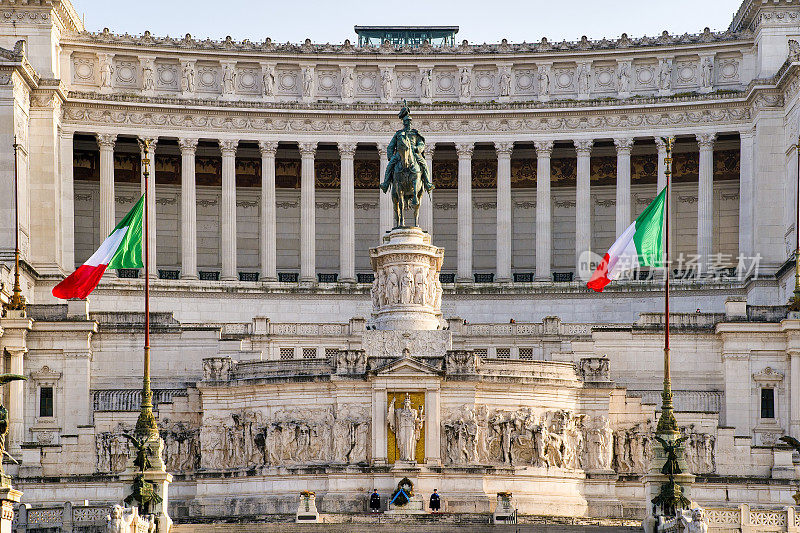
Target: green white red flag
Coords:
[[640, 245], [121, 249]]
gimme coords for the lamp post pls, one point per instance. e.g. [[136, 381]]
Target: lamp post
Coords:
[[146, 424]]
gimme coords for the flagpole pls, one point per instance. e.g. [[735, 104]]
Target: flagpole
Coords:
[[666, 422], [17, 303], [146, 424], [794, 303]]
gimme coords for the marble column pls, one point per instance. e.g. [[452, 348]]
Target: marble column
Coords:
[[228, 211], [794, 393], [705, 197], [426, 209], [379, 435], [583, 210], [269, 228], [386, 220], [464, 151], [308, 234], [504, 232], [107, 198], [151, 206], [662, 166], [67, 201], [433, 455], [544, 150], [347, 221], [624, 147], [746, 193], [188, 209]]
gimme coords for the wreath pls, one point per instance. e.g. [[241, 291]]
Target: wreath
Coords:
[[402, 495]]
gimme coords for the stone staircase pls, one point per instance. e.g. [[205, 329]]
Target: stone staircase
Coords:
[[443, 523]]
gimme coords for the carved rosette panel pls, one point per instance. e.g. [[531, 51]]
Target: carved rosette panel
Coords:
[[406, 293]]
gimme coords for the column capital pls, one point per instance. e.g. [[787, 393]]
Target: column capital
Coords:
[[504, 148], [748, 133], [706, 140], [106, 140], [624, 145], [347, 150], [228, 146], [583, 146], [430, 147], [307, 149], [464, 150], [188, 145], [382, 147], [543, 148], [660, 143], [268, 148]]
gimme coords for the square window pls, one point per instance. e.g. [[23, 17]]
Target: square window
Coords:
[[287, 353], [504, 353], [331, 353], [46, 401], [526, 353], [480, 352], [767, 403], [309, 353]]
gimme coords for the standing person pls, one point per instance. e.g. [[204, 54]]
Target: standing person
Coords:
[[375, 501], [435, 502]]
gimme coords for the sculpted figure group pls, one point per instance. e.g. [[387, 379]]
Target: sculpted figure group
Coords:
[[406, 284]]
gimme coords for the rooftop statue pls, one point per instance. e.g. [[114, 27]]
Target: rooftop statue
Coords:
[[407, 172]]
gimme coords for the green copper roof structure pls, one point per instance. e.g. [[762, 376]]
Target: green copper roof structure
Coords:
[[406, 35]]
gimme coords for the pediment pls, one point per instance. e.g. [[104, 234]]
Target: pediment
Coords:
[[406, 366]]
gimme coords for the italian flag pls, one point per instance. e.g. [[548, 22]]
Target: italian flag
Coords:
[[640, 245], [121, 249]]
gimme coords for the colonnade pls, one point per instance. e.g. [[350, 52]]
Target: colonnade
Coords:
[[464, 151]]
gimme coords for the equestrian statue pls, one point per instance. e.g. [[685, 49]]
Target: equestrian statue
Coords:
[[407, 172]]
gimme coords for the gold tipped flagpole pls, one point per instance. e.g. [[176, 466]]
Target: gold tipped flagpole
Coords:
[[146, 424], [666, 422], [17, 302]]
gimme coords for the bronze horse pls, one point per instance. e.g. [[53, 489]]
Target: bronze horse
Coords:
[[407, 187]]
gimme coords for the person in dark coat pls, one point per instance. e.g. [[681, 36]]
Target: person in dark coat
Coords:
[[435, 502], [375, 501]]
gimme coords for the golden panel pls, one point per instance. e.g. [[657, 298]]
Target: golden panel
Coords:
[[417, 401]]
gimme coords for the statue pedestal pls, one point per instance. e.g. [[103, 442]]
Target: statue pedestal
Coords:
[[307, 508], [406, 293], [159, 477], [8, 497]]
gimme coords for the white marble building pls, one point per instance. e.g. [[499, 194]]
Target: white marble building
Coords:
[[268, 376]]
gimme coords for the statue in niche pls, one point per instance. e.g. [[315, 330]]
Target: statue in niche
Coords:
[[406, 423], [624, 78], [228, 80], [268, 80], [187, 78], [465, 82], [148, 83], [665, 75], [583, 79], [505, 82], [707, 73], [425, 83], [106, 72], [386, 84], [347, 83], [308, 82], [544, 81]]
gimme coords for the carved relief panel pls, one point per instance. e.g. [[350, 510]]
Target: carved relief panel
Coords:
[[248, 79], [524, 80], [288, 81], [728, 68], [604, 78], [127, 70], [328, 81], [645, 75], [208, 78], [563, 76], [444, 83], [486, 81], [84, 69], [408, 84], [367, 83], [167, 76], [685, 72]]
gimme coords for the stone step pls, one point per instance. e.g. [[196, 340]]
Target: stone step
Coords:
[[427, 523]]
